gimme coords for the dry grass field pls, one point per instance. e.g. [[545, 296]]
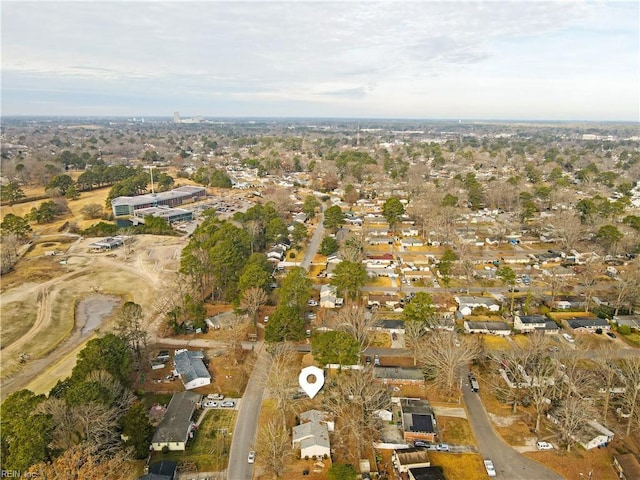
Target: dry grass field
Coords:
[[459, 466]]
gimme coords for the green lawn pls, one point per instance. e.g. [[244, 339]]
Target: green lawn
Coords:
[[633, 338]]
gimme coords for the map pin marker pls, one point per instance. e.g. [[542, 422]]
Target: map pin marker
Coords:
[[311, 389]]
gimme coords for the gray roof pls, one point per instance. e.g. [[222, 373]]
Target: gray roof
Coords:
[[397, 373], [189, 366], [592, 322], [185, 191], [495, 326], [175, 425], [486, 301], [533, 319]]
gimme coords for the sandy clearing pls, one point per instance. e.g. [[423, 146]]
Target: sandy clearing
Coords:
[[140, 277]]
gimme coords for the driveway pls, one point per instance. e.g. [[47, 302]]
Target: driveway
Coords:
[[244, 433], [314, 243], [509, 464]]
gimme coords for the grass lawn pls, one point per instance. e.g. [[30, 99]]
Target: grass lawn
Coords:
[[24, 314], [578, 463], [456, 430], [380, 339], [632, 338], [379, 282], [461, 466], [209, 449], [494, 342]]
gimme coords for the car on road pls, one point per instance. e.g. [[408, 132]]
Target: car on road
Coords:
[[228, 404], [215, 396], [611, 335], [312, 303], [311, 316], [209, 404], [544, 446], [443, 447], [252, 457], [491, 470], [420, 443]]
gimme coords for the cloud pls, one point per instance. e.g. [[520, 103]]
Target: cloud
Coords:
[[306, 51]]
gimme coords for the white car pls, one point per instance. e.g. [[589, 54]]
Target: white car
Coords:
[[228, 404], [544, 446], [568, 337], [215, 396], [311, 316], [312, 303], [210, 404], [252, 457], [488, 465]]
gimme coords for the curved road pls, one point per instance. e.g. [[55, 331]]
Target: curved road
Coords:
[[509, 464]]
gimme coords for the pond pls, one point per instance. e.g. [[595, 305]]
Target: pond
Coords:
[[91, 310]]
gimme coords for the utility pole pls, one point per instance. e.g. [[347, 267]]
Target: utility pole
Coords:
[[151, 167]]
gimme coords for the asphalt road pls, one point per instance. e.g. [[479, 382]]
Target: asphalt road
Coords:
[[244, 434], [509, 464]]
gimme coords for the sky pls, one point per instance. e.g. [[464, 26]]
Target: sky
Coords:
[[501, 60]]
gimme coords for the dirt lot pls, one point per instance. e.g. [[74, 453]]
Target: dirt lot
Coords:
[[39, 298]]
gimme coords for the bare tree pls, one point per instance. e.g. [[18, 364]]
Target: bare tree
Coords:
[[608, 373], [568, 228], [252, 299], [84, 462], [352, 248], [275, 447], [354, 399], [570, 416], [282, 379], [414, 332], [9, 252], [631, 370], [356, 320], [444, 356], [627, 287], [129, 326]]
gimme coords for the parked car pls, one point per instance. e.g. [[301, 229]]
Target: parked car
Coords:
[[544, 446], [311, 316], [367, 360], [568, 338], [252, 457], [611, 335], [443, 447], [209, 404], [376, 361], [215, 396], [312, 303], [266, 319], [228, 404], [491, 470]]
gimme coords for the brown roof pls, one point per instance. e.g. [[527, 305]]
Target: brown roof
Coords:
[[629, 464]]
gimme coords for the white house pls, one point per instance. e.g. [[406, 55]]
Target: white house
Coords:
[[329, 297], [488, 328], [312, 436], [593, 435], [531, 323], [467, 304], [189, 366], [176, 426]]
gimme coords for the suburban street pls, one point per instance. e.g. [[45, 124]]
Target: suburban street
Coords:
[[509, 463], [244, 433], [314, 243]]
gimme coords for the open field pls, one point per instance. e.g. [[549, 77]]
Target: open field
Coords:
[[456, 430], [52, 291], [459, 466]]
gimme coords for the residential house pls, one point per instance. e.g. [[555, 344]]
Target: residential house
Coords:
[[329, 297], [632, 321], [627, 466], [411, 242], [418, 421], [163, 470], [427, 473], [532, 323], [312, 435], [408, 458], [390, 300], [389, 326], [176, 426], [489, 328], [593, 435], [467, 304], [590, 324], [190, 367], [399, 375]]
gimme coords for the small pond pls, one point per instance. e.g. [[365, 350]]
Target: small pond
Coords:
[[91, 310]]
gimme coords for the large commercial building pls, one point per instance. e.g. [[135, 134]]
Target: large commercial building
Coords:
[[123, 206]]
